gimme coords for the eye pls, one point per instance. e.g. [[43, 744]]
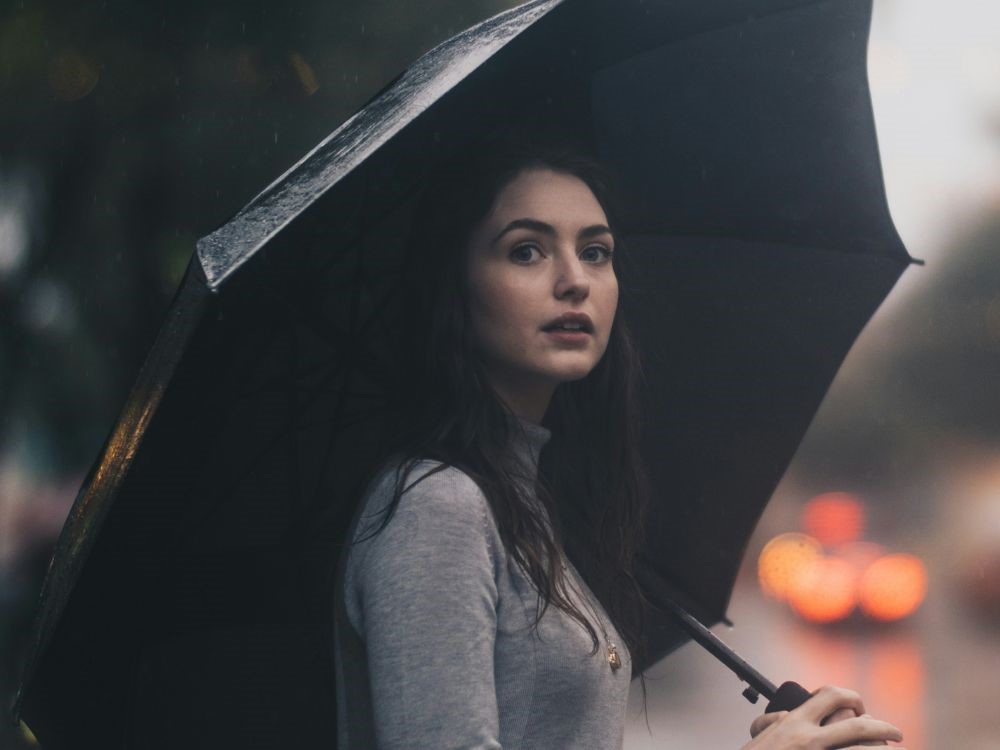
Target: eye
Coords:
[[524, 253], [597, 253]]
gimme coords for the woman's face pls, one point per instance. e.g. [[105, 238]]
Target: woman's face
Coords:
[[543, 252]]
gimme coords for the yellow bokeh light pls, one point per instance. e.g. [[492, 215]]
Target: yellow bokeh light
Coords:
[[782, 558]]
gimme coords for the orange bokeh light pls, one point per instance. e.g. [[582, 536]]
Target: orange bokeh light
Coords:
[[834, 518], [860, 554], [782, 558], [893, 587], [825, 590]]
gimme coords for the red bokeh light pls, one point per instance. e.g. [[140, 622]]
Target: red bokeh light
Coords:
[[834, 518]]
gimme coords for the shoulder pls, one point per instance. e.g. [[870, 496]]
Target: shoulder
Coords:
[[440, 509], [441, 530], [430, 488]]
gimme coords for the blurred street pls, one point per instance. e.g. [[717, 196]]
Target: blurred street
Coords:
[[934, 674]]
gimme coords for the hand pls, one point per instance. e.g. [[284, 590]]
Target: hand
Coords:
[[848, 713], [832, 718]]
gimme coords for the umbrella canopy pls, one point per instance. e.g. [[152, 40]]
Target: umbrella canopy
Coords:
[[759, 244]]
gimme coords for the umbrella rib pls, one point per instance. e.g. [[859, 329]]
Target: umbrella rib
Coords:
[[839, 250]]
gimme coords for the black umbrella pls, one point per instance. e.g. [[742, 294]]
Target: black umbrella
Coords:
[[760, 244]]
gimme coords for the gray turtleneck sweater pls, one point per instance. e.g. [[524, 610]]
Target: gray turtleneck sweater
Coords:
[[434, 644]]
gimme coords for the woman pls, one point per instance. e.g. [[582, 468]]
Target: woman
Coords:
[[461, 621]]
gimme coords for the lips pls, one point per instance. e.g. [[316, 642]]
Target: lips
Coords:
[[578, 322]]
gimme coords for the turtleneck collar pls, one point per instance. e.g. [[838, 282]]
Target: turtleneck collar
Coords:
[[526, 440]]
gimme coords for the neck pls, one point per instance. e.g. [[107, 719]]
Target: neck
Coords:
[[526, 440], [527, 400]]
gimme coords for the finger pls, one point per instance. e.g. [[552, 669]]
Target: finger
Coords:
[[763, 721], [828, 699], [871, 743], [846, 713], [839, 715], [858, 730]]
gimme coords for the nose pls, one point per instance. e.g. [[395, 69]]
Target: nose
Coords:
[[571, 280]]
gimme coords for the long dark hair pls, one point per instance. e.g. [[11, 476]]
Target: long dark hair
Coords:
[[590, 475]]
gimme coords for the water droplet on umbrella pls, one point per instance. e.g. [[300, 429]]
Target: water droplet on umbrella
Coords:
[[72, 76]]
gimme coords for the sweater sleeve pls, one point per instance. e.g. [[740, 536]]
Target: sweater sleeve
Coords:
[[426, 592]]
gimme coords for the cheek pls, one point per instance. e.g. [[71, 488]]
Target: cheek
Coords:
[[485, 303], [610, 300], [500, 300], [492, 308]]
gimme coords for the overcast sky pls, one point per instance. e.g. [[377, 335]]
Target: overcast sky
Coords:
[[934, 69]]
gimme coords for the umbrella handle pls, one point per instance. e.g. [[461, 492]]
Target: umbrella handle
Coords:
[[788, 696]]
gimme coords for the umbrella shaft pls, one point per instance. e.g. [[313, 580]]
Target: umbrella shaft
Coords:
[[715, 646]]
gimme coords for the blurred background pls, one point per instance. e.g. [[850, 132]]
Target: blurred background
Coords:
[[127, 131]]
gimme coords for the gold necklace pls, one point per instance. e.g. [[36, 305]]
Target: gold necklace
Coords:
[[614, 660]]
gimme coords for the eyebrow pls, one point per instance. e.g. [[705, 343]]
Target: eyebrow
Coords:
[[540, 226]]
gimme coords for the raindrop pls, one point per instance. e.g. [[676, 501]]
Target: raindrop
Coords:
[[13, 238], [276, 136], [304, 72], [47, 307], [72, 76]]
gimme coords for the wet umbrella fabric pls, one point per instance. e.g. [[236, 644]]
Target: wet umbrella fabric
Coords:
[[759, 244]]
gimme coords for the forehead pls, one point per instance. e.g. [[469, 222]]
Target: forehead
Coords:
[[549, 195]]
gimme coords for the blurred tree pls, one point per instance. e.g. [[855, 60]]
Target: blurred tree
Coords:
[[930, 390], [949, 362], [128, 130]]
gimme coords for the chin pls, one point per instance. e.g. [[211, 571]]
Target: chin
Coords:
[[571, 372]]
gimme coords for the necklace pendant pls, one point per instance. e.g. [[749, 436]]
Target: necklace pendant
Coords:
[[613, 659]]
